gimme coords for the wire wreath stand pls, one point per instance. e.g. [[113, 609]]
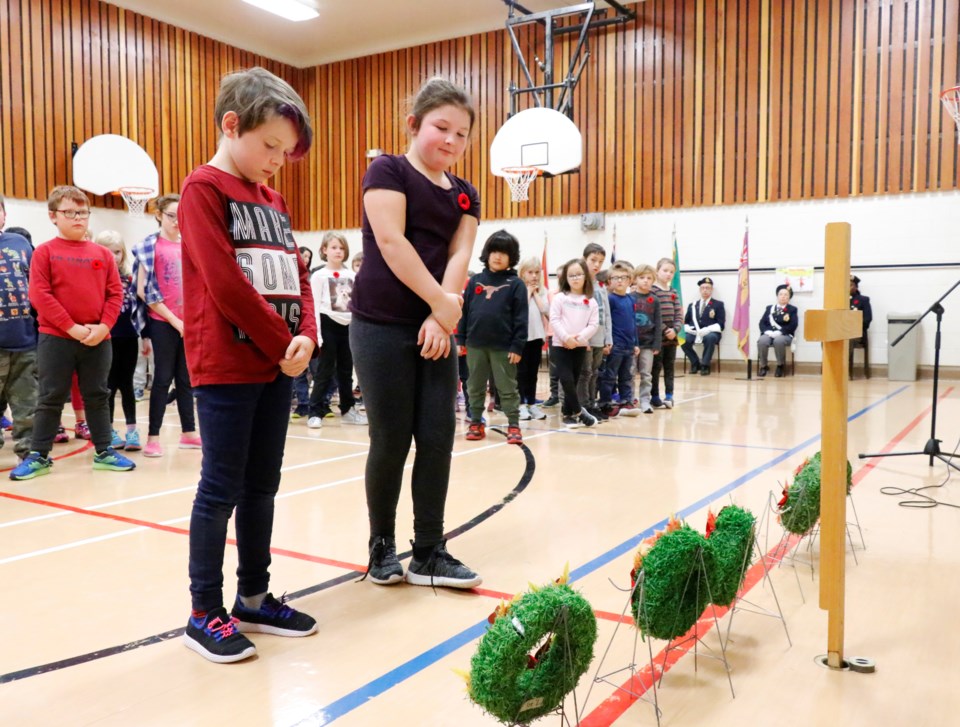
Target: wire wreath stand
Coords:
[[785, 553], [647, 675], [752, 558], [650, 672]]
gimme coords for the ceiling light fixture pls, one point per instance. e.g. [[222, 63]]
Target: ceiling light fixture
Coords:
[[289, 9]]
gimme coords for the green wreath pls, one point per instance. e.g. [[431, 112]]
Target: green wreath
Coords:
[[679, 582], [799, 508], [729, 546], [513, 683]]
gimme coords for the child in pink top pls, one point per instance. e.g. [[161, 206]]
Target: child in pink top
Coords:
[[574, 318]]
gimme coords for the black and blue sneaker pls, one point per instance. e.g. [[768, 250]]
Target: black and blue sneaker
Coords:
[[273, 617], [33, 465], [111, 459], [215, 636]]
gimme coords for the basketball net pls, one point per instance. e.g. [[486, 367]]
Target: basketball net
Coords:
[[951, 102], [519, 179], [136, 199]]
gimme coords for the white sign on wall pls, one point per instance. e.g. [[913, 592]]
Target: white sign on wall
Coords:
[[798, 277]]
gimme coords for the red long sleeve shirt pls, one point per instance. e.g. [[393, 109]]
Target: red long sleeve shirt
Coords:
[[245, 288], [74, 282]]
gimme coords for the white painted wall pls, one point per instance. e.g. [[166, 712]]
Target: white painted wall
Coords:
[[889, 230]]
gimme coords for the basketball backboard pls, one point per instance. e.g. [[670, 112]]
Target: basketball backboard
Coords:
[[537, 137], [110, 162]]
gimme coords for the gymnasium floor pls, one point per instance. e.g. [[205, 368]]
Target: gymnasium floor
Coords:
[[94, 567]]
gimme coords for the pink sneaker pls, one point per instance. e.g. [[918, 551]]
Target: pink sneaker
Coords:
[[153, 449], [61, 436], [190, 441], [81, 430]]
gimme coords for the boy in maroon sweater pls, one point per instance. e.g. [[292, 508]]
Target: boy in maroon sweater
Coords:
[[75, 288], [249, 329]]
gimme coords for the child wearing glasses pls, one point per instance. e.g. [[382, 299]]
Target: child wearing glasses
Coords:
[[158, 272], [76, 290], [618, 369], [574, 319]]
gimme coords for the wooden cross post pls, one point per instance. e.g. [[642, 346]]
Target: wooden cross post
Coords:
[[834, 326]]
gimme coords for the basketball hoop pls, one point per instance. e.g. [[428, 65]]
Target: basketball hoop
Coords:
[[136, 199], [519, 179], [951, 102]]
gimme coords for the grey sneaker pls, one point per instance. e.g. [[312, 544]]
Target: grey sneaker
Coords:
[[352, 416], [384, 568], [441, 569], [536, 412]]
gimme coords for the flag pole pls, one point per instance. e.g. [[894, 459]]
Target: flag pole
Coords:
[[741, 318]]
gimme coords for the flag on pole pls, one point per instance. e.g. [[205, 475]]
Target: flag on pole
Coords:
[[544, 270], [675, 284], [613, 252], [741, 312]]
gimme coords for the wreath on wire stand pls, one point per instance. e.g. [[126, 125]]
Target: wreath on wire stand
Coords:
[[534, 653], [799, 508], [683, 571]]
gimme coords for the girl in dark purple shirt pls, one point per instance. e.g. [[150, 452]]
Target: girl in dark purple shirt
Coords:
[[419, 226]]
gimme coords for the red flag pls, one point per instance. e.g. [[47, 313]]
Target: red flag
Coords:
[[741, 311], [544, 270]]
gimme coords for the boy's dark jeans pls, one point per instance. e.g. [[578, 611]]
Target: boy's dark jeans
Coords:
[[244, 430], [617, 375], [57, 359]]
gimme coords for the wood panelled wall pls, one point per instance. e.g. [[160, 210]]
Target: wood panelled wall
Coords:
[[72, 69], [696, 102]]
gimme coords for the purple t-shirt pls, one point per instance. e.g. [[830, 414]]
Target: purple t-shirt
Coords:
[[433, 216]]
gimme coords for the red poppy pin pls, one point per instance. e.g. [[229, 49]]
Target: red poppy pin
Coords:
[[478, 290], [336, 274], [97, 264], [673, 296], [650, 299], [464, 201], [586, 301], [856, 301]]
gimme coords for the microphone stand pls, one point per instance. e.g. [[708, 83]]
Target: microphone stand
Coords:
[[932, 448]]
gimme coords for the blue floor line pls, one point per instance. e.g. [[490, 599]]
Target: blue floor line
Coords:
[[378, 686], [594, 433]]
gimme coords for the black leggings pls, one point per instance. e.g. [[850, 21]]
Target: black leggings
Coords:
[[569, 365], [335, 360], [408, 399], [170, 363], [527, 370], [125, 351]]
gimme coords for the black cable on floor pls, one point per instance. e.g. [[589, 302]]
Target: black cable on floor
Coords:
[[923, 501]]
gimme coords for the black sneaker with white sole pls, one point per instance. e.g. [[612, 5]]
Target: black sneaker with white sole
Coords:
[[441, 569], [273, 617], [384, 567], [215, 636]]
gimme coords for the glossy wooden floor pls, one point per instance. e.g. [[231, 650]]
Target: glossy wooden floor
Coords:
[[95, 589]]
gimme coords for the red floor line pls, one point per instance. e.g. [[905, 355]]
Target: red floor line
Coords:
[[172, 529], [507, 597], [628, 693]]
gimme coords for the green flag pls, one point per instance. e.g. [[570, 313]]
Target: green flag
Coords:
[[675, 284]]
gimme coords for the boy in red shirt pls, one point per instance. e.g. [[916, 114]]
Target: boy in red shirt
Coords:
[[75, 288], [249, 329]]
